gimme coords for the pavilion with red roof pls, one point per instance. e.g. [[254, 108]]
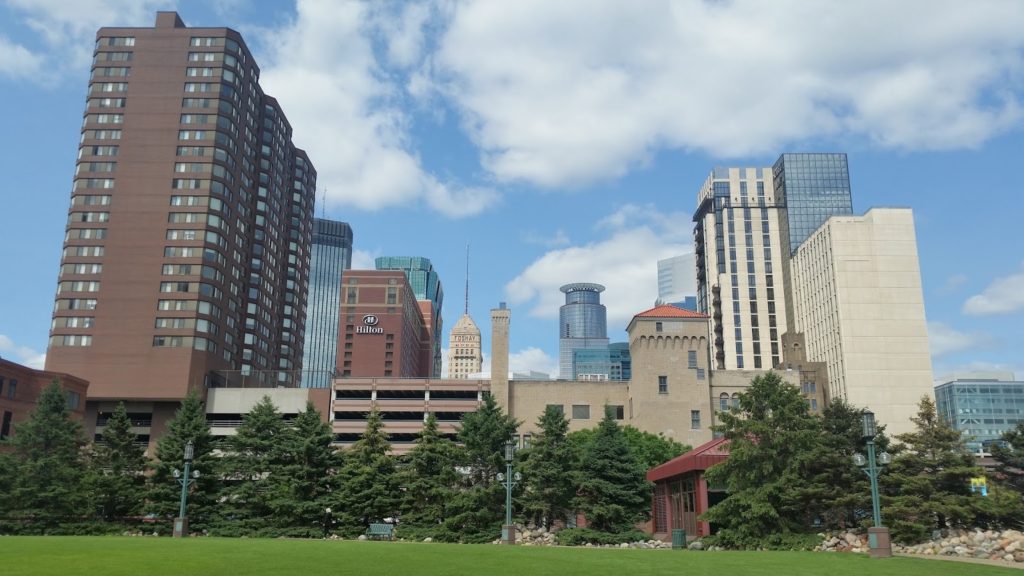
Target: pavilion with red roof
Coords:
[[681, 493]]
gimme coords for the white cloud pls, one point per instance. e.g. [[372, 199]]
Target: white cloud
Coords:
[[528, 359], [625, 262], [21, 354], [347, 114], [1004, 295], [402, 28], [69, 28], [943, 339], [16, 61], [558, 238], [566, 93], [534, 359], [364, 260], [977, 368]]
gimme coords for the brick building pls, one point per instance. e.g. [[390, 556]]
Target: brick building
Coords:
[[384, 332], [20, 387]]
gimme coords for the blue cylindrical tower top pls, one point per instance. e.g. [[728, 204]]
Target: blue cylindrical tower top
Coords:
[[582, 323]]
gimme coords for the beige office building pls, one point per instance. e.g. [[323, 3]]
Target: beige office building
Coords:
[[465, 356], [856, 289], [741, 252]]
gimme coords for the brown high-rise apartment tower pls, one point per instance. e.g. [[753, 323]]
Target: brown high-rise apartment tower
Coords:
[[185, 263]]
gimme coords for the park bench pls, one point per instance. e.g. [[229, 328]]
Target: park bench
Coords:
[[381, 530]]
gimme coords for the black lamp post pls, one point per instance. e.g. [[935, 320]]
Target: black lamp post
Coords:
[[327, 521], [878, 535]]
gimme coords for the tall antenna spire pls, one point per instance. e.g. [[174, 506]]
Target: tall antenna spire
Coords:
[[323, 204], [466, 312]]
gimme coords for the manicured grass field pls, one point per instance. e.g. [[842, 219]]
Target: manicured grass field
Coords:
[[119, 556]]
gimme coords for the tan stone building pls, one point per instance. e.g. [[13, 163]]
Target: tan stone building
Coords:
[[673, 390], [465, 356], [856, 289]]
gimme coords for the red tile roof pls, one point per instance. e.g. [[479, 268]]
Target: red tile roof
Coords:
[[700, 458], [669, 311]]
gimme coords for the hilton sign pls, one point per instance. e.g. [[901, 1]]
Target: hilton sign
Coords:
[[369, 326]]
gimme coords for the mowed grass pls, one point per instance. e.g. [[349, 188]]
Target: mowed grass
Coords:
[[121, 556]]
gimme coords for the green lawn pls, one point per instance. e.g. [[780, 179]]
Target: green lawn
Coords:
[[117, 556]]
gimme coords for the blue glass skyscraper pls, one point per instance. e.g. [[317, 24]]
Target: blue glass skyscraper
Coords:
[[331, 253], [426, 284], [812, 187], [583, 323]]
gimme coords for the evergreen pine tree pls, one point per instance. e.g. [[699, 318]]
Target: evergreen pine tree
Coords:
[[252, 461], [836, 490], [163, 490], [549, 469], [1009, 458], [428, 481], [369, 491], [613, 491], [49, 481], [477, 511], [117, 471], [307, 484], [771, 437], [929, 479]]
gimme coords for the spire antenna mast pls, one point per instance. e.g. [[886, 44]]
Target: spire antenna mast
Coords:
[[466, 311]]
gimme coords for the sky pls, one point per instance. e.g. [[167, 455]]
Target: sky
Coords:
[[566, 141]]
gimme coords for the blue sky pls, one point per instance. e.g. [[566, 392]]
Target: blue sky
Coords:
[[566, 141]]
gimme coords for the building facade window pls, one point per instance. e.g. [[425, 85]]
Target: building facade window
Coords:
[[557, 407], [662, 384], [691, 358], [695, 419], [581, 411]]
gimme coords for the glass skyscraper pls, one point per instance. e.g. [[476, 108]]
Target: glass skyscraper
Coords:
[[981, 408], [812, 187], [426, 284], [583, 323], [331, 253]]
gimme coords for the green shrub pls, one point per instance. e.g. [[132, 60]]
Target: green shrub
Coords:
[[732, 540], [582, 536]]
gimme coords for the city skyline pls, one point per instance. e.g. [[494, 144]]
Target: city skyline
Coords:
[[444, 160]]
